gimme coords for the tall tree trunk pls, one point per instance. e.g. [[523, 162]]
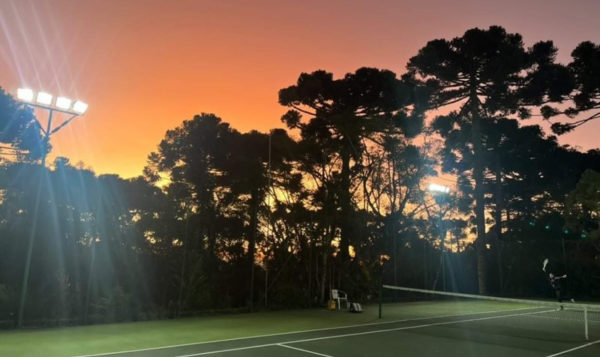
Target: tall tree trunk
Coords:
[[88, 291], [326, 255], [182, 274], [457, 238], [498, 219], [311, 246], [254, 202], [346, 209], [394, 254], [211, 264], [478, 168]]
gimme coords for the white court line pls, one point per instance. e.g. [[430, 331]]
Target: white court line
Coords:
[[298, 331], [303, 350], [358, 334], [574, 349]]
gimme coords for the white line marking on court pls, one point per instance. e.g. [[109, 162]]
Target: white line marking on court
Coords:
[[574, 349], [358, 334], [298, 331], [303, 350]]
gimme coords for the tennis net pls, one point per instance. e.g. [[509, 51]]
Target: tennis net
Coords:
[[521, 317]]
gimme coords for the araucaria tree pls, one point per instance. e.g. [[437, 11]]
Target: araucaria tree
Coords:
[[346, 115], [585, 98], [487, 74]]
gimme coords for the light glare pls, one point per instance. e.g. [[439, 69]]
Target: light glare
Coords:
[[434, 187], [25, 94], [44, 98], [63, 103], [80, 107]]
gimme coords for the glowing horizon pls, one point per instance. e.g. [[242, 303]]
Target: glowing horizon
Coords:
[[144, 66]]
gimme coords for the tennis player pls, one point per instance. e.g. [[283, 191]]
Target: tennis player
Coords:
[[555, 282]]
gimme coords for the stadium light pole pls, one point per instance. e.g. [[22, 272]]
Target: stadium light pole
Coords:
[[64, 105], [441, 191], [44, 100]]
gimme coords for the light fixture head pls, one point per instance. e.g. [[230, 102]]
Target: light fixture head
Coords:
[[63, 103], [44, 98], [25, 94], [80, 107]]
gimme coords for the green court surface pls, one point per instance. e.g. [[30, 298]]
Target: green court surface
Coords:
[[447, 328]]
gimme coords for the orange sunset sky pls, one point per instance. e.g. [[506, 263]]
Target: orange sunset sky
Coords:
[[144, 66]]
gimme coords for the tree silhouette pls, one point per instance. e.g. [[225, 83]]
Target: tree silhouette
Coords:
[[189, 155], [585, 98], [583, 208], [487, 73], [343, 114], [244, 162], [89, 251], [220, 176]]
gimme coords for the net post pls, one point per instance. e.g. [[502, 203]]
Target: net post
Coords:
[[585, 322]]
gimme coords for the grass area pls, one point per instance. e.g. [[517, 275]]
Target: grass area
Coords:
[[84, 340]]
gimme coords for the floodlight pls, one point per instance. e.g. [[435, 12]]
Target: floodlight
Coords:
[[25, 94], [44, 98], [434, 187], [63, 103], [80, 107]]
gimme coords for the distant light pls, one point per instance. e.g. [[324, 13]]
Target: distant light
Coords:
[[434, 187], [80, 107], [63, 103], [25, 94], [44, 98]]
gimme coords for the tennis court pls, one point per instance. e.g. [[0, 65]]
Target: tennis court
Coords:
[[433, 328]]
